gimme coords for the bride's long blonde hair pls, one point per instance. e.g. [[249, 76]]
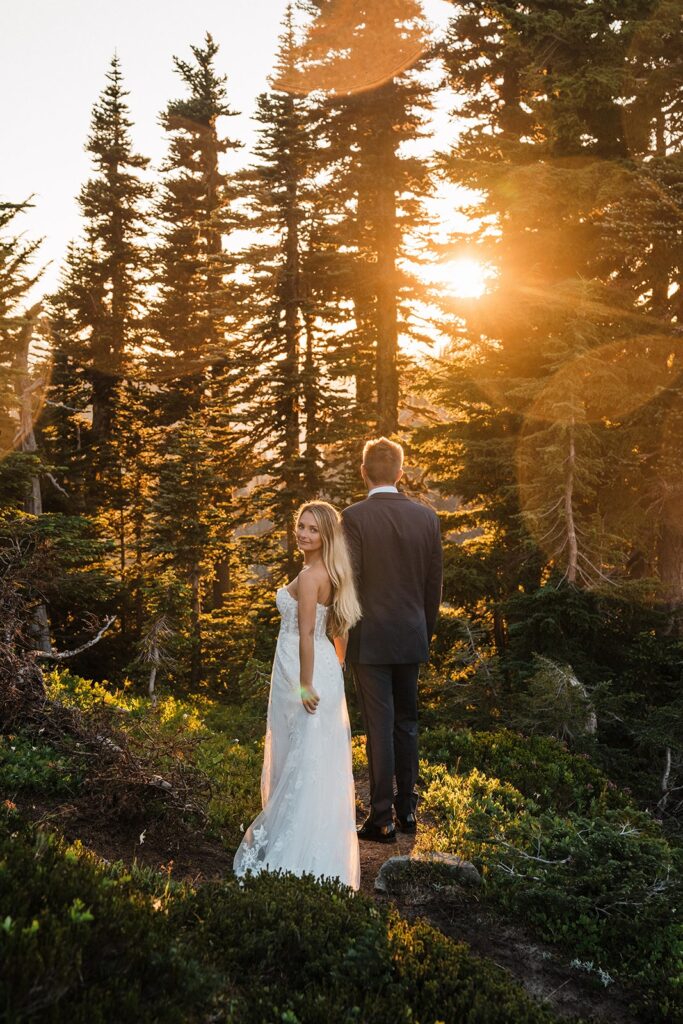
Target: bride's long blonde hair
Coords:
[[345, 610]]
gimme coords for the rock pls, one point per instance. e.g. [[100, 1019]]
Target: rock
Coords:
[[160, 783], [397, 872]]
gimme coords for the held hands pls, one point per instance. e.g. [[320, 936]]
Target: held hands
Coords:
[[309, 699]]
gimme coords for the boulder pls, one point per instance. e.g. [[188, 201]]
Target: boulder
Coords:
[[397, 872]]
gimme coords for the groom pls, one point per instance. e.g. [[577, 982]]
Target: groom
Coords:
[[395, 547]]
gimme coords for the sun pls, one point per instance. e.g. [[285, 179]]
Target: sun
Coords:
[[465, 278]]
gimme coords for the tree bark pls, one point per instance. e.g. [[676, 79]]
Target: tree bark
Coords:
[[291, 301], [39, 628], [196, 657], [570, 525], [387, 318]]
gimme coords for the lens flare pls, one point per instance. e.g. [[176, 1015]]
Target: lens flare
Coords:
[[351, 48], [610, 382]]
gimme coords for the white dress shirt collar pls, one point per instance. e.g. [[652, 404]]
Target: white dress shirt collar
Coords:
[[384, 489]]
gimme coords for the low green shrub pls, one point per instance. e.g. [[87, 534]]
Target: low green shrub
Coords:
[[81, 944], [540, 767], [302, 953], [605, 886], [235, 772], [88, 942], [26, 763]]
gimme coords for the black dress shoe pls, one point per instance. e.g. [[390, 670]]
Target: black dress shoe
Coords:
[[377, 833], [407, 824]]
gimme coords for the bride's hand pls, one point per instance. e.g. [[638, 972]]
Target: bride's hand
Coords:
[[309, 699]]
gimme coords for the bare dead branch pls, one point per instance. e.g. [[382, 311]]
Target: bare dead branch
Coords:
[[61, 656]]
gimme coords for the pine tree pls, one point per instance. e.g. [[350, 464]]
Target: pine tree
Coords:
[[377, 187], [93, 416], [187, 517], [195, 313], [290, 406], [17, 277], [196, 317], [59, 557], [21, 389], [551, 158], [97, 310]]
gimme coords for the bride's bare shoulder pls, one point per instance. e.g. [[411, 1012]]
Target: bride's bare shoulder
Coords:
[[314, 581]]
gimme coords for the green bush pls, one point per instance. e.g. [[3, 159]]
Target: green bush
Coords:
[[605, 886], [540, 767], [304, 953], [88, 942], [70, 933], [27, 763]]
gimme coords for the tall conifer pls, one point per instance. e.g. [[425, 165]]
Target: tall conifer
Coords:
[[97, 310], [195, 309], [371, 117], [551, 157], [94, 409], [290, 405]]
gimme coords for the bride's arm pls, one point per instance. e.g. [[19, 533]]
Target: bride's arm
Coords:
[[340, 645], [308, 596]]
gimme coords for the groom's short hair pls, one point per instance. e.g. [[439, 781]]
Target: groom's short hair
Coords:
[[383, 460]]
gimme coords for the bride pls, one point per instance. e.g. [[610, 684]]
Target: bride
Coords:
[[308, 821]]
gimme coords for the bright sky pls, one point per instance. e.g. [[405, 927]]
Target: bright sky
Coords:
[[54, 55]]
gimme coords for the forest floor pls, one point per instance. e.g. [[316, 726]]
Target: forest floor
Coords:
[[191, 856]]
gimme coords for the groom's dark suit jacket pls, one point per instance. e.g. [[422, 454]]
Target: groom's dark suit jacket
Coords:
[[395, 547]]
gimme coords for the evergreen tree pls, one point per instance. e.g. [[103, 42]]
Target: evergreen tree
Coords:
[[17, 277], [97, 310], [551, 159], [187, 519], [93, 417], [377, 185], [195, 313], [59, 557], [196, 317], [290, 408]]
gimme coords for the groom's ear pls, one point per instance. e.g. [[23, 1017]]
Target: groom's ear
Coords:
[[400, 474]]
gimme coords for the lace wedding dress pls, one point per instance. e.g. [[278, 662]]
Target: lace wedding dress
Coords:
[[308, 821]]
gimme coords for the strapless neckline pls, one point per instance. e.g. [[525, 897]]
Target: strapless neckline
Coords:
[[296, 601]]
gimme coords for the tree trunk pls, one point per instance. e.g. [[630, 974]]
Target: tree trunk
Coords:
[[220, 585], [122, 553], [364, 361], [570, 525], [138, 530], [670, 562], [387, 319], [39, 628], [291, 301], [196, 658], [310, 396]]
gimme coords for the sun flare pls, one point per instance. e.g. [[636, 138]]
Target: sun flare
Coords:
[[465, 278]]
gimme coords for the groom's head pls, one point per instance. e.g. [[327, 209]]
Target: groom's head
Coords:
[[382, 463]]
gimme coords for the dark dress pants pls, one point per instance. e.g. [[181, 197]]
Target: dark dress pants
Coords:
[[388, 702]]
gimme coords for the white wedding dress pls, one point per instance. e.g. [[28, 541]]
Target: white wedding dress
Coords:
[[308, 821]]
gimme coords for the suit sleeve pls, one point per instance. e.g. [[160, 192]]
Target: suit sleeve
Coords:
[[434, 581], [353, 543]]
